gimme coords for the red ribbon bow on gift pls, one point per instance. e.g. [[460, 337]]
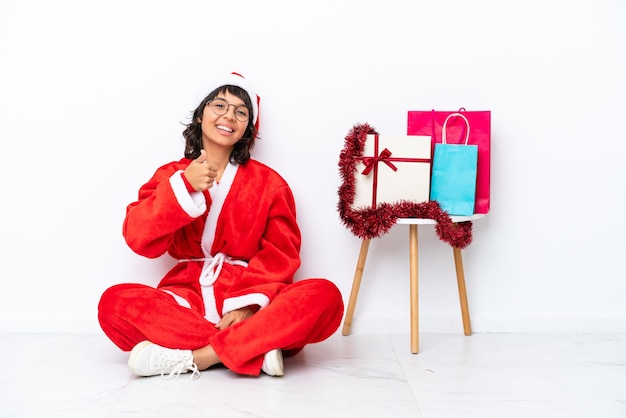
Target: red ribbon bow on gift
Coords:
[[370, 162]]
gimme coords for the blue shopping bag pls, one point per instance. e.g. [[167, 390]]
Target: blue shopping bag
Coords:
[[453, 181]]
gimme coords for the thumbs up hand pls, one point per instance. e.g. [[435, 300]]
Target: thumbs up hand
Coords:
[[199, 174]]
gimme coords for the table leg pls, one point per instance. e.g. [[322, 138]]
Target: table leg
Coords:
[[356, 284], [460, 278], [413, 289]]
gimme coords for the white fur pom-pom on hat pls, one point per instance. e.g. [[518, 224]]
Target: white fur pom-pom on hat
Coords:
[[233, 79]]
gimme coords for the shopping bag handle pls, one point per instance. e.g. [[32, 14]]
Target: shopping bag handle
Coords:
[[443, 129]]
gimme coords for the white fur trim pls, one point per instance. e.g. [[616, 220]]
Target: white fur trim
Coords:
[[210, 308], [218, 195], [235, 303], [211, 269], [194, 203]]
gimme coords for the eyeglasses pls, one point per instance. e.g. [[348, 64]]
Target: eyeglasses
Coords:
[[220, 107]]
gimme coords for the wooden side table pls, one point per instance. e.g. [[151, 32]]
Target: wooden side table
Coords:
[[413, 257]]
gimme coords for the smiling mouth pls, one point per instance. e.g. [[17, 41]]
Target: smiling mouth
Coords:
[[224, 128]]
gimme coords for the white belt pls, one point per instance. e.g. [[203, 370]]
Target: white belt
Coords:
[[213, 266]]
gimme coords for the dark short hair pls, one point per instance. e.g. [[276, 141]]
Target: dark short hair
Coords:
[[193, 130]]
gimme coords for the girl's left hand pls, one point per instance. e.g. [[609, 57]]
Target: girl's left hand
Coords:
[[233, 317]]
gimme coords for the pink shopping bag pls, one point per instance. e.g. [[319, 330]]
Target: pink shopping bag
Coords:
[[430, 122]]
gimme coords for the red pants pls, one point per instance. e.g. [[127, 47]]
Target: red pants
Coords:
[[305, 312]]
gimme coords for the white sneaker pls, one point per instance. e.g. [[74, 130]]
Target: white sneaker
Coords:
[[149, 359], [273, 363]]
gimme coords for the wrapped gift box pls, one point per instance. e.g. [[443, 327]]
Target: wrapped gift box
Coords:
[[393, 168]]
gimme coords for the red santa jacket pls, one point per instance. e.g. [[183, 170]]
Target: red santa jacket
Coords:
[[256, 224]]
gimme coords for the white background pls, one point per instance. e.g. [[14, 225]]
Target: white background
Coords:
[[93, 93]]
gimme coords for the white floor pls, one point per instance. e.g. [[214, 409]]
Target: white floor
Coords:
[[484, 375]]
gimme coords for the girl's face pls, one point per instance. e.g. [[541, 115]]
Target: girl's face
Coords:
[[224, 130]]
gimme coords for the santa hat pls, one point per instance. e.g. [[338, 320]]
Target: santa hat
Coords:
[[233, 79]]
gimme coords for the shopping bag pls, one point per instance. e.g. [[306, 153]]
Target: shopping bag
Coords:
[[453, 183], [430, 122]]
